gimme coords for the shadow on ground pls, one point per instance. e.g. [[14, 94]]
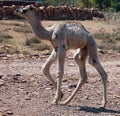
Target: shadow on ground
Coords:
[[98, 110]]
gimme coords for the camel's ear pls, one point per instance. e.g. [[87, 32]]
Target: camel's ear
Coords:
[[31, 7], [37, 12]]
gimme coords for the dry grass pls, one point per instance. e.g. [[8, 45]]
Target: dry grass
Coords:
[[20, 36], [5, 38]]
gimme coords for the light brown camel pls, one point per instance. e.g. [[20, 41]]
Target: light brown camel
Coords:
[[64, 36]]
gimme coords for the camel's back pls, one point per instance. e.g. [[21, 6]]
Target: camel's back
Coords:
[[76, 34]]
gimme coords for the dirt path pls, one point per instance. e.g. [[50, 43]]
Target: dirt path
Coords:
[[24, 91]]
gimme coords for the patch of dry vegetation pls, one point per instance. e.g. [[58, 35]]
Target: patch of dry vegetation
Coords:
[[110, 40], [36, 44], [5, 38], [19, 38]]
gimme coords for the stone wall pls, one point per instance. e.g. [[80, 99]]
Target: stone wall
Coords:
[[52, 13]]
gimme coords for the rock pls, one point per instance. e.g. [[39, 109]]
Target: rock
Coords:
[[72, 86], [1, 113], [18, 74], [48, 88], [57, 13], [64, 80], [27, 98], [9, 112], [101, 51], [23, 81], [86, 97], [1, 76], [2, 82], [118, 65]]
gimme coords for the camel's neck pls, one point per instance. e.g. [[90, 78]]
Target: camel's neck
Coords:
[[38, 29]]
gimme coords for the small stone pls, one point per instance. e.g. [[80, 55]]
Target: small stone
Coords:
[[23, 81], [35, 93], [18, 74], [48, 88], [64, 80], [9, 112], [69, 90], [72, 86], [1, 76], [2, 82], [86, 97], [102, 51], [118, 65], [0, 113], [27, 98]]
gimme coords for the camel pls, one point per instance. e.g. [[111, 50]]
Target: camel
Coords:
[[65, 36]]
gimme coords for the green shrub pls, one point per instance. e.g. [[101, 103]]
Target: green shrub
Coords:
[[40, 47], [108, 40], [5, 38], [37, 44], [33, 40], [23, 29], [105, 37]]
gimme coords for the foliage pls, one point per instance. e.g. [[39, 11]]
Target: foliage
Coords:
[[101, 4], [37, 44], [22, 29], [5, 38], [108, 40], [116, 5], [33, 40]]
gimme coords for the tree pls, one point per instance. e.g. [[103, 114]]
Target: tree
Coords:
[[116, 5]]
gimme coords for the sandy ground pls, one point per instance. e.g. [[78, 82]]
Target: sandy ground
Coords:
[[25, 91]]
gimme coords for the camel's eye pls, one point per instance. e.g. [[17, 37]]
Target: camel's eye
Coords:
[[24, 10]]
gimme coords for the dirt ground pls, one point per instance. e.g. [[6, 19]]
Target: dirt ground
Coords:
[[25, 91]]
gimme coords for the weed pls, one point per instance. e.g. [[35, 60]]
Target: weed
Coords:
[[41, 46], [32, 41], [108, 40], [36, 44], [5, 38], [23, 29], [8, 49]]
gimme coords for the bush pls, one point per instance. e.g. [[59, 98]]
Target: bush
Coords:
[[108, 40], [32, 40], [5, 38], [104, 36], [23, 29], [36, 44]]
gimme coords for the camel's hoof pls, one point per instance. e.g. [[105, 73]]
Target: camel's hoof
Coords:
[[54, 102], [63, 103], [103, 105]]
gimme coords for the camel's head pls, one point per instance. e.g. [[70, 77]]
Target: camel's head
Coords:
[[27, 12]]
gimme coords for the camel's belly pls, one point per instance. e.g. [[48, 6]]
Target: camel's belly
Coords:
[[76, 42]]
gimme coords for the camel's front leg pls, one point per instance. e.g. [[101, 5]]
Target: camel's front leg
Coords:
[[60, 72], [46, 67]]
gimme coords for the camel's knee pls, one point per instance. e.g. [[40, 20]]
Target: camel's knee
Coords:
[[104, 77], [84, 79], [45, 70], [93, 61]]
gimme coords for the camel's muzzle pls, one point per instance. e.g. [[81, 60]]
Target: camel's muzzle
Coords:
[[19, 11]]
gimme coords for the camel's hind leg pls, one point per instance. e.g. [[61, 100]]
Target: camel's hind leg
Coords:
[[94, 61], [80, 58]]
